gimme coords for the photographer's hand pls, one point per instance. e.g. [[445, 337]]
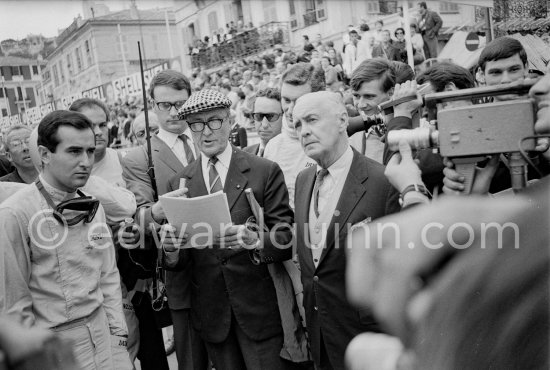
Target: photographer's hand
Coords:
[[402, 170], [406, 89], [454, 182]]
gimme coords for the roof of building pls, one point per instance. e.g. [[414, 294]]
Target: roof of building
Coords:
[[17, 61], [144, 15]]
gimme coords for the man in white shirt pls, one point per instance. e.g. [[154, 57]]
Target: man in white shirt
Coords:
[[343, 189], [172, 149]]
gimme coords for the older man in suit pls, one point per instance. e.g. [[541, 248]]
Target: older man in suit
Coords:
[[343, 189], [233, 294], [172, 149], [429, 23]]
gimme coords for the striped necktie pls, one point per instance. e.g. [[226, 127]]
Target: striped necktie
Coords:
[[214, 176], [318, 182], [189, 156]]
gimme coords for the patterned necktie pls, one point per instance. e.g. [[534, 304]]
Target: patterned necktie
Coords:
[[318, 182], [214, 176], [188, 151]]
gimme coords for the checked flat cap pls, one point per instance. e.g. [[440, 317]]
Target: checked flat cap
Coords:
[[203, 100]]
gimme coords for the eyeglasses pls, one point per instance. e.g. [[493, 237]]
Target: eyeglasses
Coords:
[[16, 144], [213, 124], [167, 106], [271, 117], [141, 133], [399, 33]]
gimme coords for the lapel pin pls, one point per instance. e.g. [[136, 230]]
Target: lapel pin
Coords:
[[238, 186], [336, 213]]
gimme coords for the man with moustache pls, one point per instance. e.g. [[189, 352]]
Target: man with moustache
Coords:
[[17, 151], [173, 148], [58, 260], [268, 119], [344, 188]]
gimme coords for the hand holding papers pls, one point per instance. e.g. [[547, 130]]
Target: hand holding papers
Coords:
[[202, 218]]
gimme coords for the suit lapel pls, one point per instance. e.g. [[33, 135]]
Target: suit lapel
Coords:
[[304, 193], [195, 182], [236, 181], [165, 154], [353, 190]]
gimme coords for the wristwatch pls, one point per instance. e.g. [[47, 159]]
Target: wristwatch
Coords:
[[414, 187]]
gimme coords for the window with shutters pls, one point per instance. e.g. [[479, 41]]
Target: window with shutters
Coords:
[[293, 18], [373, 7], [213, 21], [61, 72], [34, 70], [55, 75], [448, 8], [88, 51], [15, 71], [78, 56], [69, 64]]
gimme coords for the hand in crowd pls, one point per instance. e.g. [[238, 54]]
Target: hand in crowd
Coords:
[[454, 181], [170, 240], [157, 212], [402, 170], [128, 235], [406, 89], [388, 270], [237, 236]]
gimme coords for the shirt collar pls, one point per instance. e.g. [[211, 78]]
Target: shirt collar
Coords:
[[56, 194], [170, 138], [338, 168], [224, 157]]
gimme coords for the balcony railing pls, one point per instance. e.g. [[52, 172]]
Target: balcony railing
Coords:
[[243, 44]]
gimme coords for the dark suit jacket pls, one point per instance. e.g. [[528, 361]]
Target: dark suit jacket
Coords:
[[252, 149], [226, 281], [137, 179], [366, 193], [432, 24]]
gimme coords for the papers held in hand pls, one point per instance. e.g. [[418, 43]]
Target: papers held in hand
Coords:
[[201, 217]]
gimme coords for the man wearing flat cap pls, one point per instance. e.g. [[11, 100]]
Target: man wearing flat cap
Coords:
[[233, 300]]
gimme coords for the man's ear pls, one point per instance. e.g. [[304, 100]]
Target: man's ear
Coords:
[[9, 156], [343, 121], [45, 154], [390, 92]]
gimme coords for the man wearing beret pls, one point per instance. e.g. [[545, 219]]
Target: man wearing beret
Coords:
[[233, 301]]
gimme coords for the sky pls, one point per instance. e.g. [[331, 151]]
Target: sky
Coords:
[[18, 18]]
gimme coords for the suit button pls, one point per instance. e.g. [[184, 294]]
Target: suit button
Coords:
[[224, 261], [316, 278], [315, 308]]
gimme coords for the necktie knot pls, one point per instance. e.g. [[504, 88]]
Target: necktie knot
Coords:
[[322, 174], [213, 160]]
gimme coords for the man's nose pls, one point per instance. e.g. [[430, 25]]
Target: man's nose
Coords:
[[505, 78]]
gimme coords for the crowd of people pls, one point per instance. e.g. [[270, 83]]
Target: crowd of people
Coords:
[[302, 277]]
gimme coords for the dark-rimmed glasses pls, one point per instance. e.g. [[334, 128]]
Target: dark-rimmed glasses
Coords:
[[167, 106], [141, 133], [213, 124], [271, 117]]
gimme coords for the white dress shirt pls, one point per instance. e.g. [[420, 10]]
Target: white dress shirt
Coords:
[[176, 145], [334, 182], [222, 166]]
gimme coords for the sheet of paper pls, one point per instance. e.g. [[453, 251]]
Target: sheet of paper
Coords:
[[201, 217]]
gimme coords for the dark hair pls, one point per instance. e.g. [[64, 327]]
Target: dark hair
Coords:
[[306, 37], [270, 93], [82, 103], [502, 48], [440, 74], [374, 69], [303, 73], [226, 86], [364, 27], [171, 78], [397, 29], [241, 94], [414, 25], [423, 4], [50, 124], [353, 32], [403, 72], [379, 21]]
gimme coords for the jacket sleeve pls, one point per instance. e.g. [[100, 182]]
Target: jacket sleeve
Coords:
[[15, 268], [396, 123], [278, 217], [438, 22]]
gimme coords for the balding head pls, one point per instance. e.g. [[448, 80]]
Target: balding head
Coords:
[[138, 126], [321, 121]]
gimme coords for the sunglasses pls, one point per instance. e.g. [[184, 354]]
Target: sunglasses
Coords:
[[141, 133], [271, 117]]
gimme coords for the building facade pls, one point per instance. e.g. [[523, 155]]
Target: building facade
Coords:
[[93, 52], [19, 82]]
